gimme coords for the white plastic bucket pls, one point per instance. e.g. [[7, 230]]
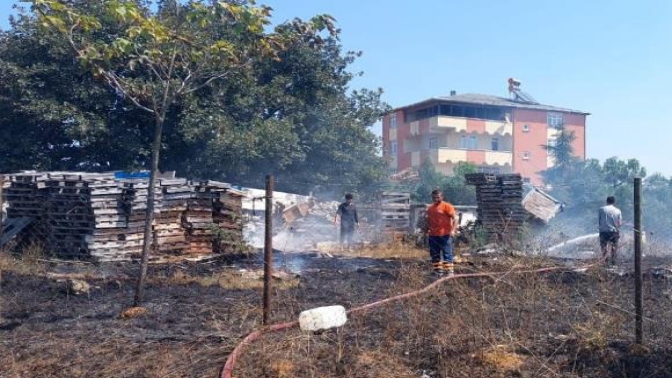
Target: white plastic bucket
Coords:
[[322, 318]]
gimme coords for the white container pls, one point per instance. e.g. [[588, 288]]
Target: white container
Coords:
[[322, 318]]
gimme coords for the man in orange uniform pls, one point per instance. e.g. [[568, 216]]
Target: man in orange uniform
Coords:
[[441, 222]]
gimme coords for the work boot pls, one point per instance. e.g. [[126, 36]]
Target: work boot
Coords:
[[438, 268], [448, 268]]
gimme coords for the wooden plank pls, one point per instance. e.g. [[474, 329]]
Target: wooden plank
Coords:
[[12, 227]]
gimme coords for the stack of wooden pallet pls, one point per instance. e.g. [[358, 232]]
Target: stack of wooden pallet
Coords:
[[24, 195], [395, 211], [134, 203], [76, 206], [499, 199], [198, 221], [226, 215], [25, 204], [100, 216], [171, 203]]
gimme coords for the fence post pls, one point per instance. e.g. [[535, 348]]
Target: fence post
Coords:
[[268, 249], [2, 202], [2, 227], [639, 302]]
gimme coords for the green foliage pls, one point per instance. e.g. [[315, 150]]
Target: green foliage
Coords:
[[562, 153], [454, 187], [288, 110], [155, 57], [58, 115], [429, 179], [589, 183], [657, 207]]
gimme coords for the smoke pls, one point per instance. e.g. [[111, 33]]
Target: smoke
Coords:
[[301, 235], [305, 234]]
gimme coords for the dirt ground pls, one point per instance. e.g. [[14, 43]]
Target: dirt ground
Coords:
[[557, 324]]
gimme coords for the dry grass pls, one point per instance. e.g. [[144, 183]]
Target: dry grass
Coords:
[[502, 359], [558, 324], [29, 261], [225, 280], [395, 250], [551, 325]]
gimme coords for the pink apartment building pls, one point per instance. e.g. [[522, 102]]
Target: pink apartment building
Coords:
[[500, 135]]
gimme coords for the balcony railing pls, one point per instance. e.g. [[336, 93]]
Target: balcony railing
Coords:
[[480, 157], [471, 125]]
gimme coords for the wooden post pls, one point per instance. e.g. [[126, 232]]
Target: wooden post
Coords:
[[639, 302], [2, 202], [2, 227], [268, 249]]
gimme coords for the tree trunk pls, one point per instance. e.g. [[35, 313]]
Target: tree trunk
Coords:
[[149, 215]]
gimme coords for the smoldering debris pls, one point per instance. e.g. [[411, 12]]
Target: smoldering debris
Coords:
[[304, 226]]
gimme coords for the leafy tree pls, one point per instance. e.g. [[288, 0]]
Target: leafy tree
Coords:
[[618, 172], [586, 184], [429, 180], [295, 116], [152, 59], [454, 187], [56, 112], [562, 153], [657, 191]]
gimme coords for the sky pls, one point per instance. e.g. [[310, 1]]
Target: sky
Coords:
[[611, 58]]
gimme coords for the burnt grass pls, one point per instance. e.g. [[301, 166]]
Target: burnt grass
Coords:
[[565, 324]]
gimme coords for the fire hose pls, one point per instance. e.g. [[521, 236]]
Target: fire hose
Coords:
[[227, 371]]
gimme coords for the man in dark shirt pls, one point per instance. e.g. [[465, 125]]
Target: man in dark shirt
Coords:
[[348, 214]]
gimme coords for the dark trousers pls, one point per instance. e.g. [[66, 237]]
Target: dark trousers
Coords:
[[441, 248], [347, 233], [607, 238]]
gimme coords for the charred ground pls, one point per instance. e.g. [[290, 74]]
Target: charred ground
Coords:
[[556, 324]]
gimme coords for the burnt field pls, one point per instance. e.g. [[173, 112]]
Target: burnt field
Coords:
[[561, 323]]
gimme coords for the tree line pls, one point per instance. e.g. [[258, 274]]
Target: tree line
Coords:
[[283, 104], [580, 185], [583, 185]]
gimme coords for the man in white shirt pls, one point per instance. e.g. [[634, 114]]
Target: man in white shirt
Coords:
[[609, 222]]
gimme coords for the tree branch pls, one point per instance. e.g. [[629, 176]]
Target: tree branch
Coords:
[[216, 77], [112, 79], [116, 83]]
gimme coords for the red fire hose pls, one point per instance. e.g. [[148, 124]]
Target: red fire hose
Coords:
[[227, 371]]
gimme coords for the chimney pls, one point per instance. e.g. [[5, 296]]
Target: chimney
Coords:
[[453, 93]]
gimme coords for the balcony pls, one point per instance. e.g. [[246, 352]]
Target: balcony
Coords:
[[469, 125], [478, 157]]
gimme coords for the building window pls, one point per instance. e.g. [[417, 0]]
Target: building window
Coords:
[[473, 142], [526, 155], [469, 142], [464, 142], [433, 142], [393, 148], [554, 120], [494, 144], [393, 121]]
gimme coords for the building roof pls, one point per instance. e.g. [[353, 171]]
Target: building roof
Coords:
[[487, 100]]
